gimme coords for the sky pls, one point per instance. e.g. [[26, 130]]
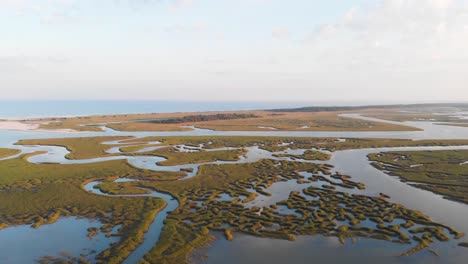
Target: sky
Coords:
[[235, 50]]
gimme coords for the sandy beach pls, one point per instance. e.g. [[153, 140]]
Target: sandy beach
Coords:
[[27, 126], [16, 125]]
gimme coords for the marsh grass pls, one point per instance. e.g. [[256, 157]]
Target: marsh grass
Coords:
[[8, 152], [80, 148], [334, 213], [437, 171], [174, 157], [39, 194], [308, 155], [254, 121]]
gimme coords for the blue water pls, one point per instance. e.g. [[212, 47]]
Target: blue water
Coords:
[[29, 109], [66, 237]]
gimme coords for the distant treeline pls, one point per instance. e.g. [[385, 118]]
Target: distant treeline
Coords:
[[199, 118], [365, 107]]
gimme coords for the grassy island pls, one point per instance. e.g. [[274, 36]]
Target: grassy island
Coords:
[[8, 152], [80, 148], [224, 121], [442, 172]]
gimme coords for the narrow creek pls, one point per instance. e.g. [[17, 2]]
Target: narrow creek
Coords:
[[151, 237]]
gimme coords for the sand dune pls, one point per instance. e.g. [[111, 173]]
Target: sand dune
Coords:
[[16, 125]]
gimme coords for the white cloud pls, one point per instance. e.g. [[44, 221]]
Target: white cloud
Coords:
[[280, 33], [180, 4], [50, 11], [398, 33], [188, 27]]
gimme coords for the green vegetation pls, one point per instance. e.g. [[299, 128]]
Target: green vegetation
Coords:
[[317, 210], [88, 123], [19, 174], [175, 157], [120, 189], [303, 119], [198, 118], [76, 124], [321, 121], [308, 155], [442, 172], [80, 148], [38, 194], [92, 147], [8, 152], [247, 121], [283, 143], [134, 148]]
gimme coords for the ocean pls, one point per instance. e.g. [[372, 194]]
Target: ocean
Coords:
[[35, 109]]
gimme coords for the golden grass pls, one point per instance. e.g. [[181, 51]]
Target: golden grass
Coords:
[[8, 152], [321, 121], [92, 147], [35, 193], [188, 227], [436, 171], [174, 157], [80, 148], [38, 194], [290, 121]]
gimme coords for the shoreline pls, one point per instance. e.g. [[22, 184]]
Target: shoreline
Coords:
[[17, 125]]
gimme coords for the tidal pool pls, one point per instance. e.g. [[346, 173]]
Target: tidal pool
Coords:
[[311, 249]]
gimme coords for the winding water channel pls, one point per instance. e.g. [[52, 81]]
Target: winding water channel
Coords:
[[349, 162]]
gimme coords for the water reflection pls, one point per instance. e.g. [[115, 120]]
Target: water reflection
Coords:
[[68, 236]]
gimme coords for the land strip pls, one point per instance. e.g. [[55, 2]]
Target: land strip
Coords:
[[442, 172]]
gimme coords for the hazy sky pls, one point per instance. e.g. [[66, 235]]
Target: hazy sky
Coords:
[[275, 50]]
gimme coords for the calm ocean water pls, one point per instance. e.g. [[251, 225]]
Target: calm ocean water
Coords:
[[29, 109]]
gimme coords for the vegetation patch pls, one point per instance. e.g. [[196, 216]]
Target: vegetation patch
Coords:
[[175, 157], [8, 152], [308, 155], [317, 210], [80, 148], [39, 194], [463, 244], [199, 118], [442, 172], [233, 121], [275, 144]]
